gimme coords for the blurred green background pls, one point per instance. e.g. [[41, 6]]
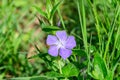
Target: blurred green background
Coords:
[[19, 32]]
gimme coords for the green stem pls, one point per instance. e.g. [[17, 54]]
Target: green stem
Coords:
[[61, 18], [116, 38], [82, 20], [60, 67], [82, 23], [75, 58], [111, 32], [51, 21]]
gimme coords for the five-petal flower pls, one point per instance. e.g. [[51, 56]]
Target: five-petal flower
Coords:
[[61, 44]]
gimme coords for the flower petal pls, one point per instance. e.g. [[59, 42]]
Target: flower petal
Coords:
[[51, 40], [70, 43], [53, 51], [65, 53], [62, 36]]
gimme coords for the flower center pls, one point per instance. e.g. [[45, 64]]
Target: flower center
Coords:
[[61, 44]]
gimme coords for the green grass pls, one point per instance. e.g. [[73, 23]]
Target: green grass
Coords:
[[17, 36], [24, 27]]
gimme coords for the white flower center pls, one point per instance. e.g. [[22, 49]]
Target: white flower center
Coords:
[[61, 44]]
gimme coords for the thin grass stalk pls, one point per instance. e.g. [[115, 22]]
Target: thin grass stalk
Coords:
[[111, 32], [61, 18], [82, 20]]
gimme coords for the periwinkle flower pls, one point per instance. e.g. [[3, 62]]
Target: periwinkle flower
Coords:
[[61, 44]]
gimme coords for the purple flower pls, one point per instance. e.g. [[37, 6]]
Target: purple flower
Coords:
[[61, 44]]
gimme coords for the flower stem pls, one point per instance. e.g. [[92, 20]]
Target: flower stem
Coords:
[[75, 58], [60, 67]]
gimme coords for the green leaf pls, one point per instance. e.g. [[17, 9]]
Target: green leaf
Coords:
[[70, 70], [32, 78], [20, 3], [48, 6], [79, 52], [118, 43], [54, 9], [97, 74], [41, 12], [54, 74], [100, 70], [109, 76], [50, 28], [40, 78]]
